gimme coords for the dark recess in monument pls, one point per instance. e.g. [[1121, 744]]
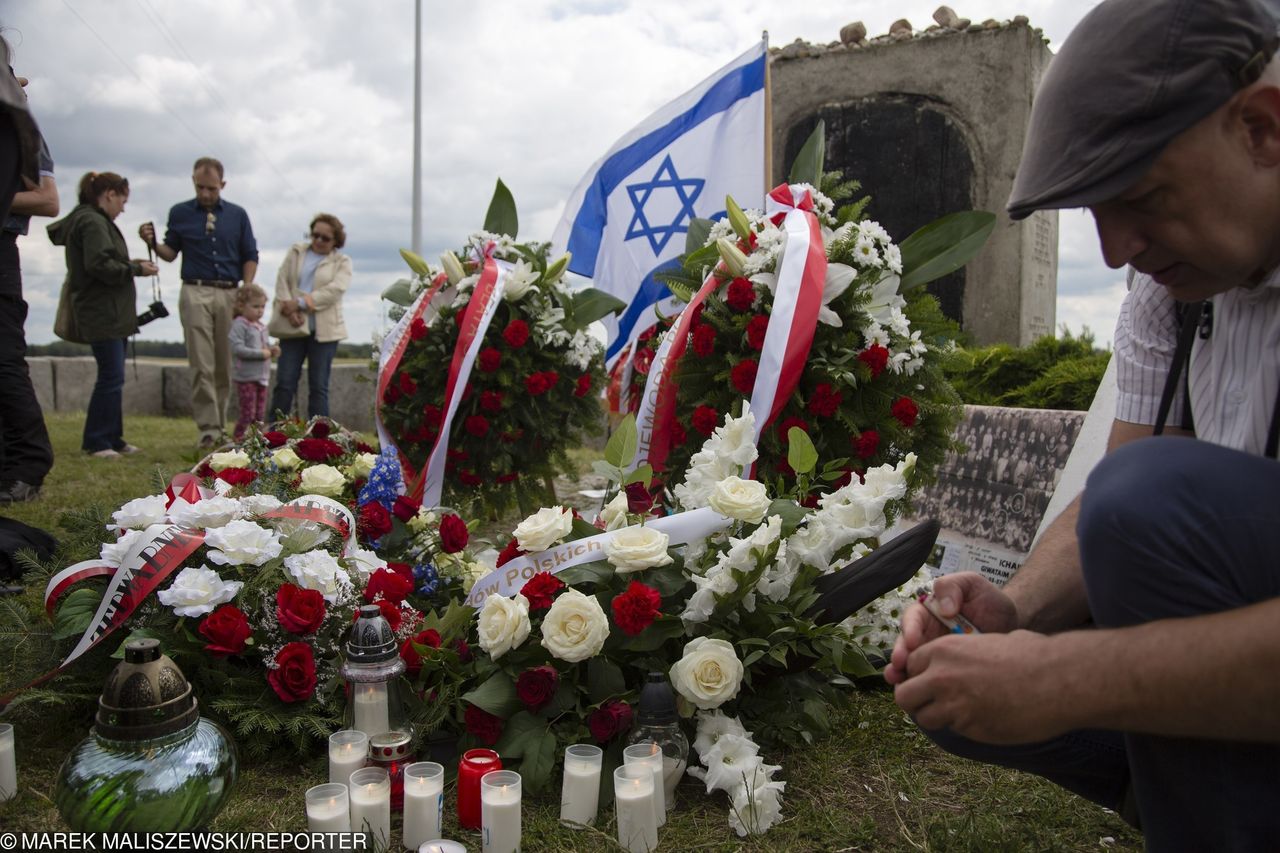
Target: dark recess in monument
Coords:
[[911, 159]]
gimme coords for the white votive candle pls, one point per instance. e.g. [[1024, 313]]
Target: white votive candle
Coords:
[[500, 811], [423, 803], [672, 772], [348, 750], [649, 754], [8, 764], [634, 804], [371, 803], [443, 845], [327, 809], [371, 714], [580, 791]]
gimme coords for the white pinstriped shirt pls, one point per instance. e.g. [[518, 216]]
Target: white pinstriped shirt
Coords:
[[1234, 375]]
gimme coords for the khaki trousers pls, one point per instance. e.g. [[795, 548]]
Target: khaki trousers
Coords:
[[206, 314]]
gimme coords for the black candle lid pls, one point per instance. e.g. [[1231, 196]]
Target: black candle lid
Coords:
[[657, 705]]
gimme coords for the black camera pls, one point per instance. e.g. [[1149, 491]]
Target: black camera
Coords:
[[154, 311]]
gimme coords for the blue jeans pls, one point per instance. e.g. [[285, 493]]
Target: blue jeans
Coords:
[[319, 358], [1171, 528], [104, 421]]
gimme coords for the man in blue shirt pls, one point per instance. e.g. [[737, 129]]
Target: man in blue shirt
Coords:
[[218, 251]]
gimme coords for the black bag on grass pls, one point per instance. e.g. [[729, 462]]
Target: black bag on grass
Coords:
[[16, 536]]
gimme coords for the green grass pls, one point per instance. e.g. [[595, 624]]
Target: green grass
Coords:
[[875, 784]]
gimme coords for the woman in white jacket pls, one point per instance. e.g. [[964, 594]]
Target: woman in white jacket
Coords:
[[307, 315]]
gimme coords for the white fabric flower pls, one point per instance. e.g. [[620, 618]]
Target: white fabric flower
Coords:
[[208, 512], [708, 674], [503, 624], [745, 500], [614, 514], [634, 549], [141, 512], [113, 552], [361, 467], [365, 563], [229, 459], [285, 459], [318, 570], [543, 529], [242, 543], [575, 627], [195, 592], [259, 504], [297, 535], [713, 725], [322, 480]]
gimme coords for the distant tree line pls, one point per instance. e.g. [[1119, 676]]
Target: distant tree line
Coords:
[[164, 349]]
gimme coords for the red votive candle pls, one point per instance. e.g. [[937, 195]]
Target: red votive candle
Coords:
[[474, 764]]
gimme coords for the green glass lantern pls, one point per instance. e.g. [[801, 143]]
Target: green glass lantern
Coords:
[[152, 763]]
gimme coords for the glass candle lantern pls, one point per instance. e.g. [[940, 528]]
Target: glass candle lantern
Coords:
[[474, 764], [391, 751], [372, 669], [658, 721]]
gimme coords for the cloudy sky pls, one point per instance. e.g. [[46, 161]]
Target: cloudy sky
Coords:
[[309, 103]]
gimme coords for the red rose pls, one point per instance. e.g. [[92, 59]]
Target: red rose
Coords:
[[405, 508], [489, 359], [704, 340], [540, 589], [407, 385], [741, 295], [226, 629], [610, 719], [410, 656], [635, 609], [432, 416], [643, 361], [756, 330], [536, 687], [785, 427], [485, 726], [825, 400], [390, 611], [298, 610], [320, 429], [294, 676], [875, 357], [509, 477], [638, 498], [417, 329], [404, 570], [391, 395], [477, 425], [375, 521], [237, 476], [743, 376], [469, 478], [516, 333], [864, 445], [318, 449], [491, 401], [453, 534], [905, 410], [391, 584], [275, 438], [584, 386]]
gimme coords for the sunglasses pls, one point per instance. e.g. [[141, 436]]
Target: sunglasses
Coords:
[[323, 238]]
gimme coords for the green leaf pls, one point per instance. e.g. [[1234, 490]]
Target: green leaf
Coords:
[[610, 472], [696, 237], [399, 292], [501, 216], [604, 680], [596, 573], [807, 169], [667, 580], [621, 448], [643, 474], [142, 634], [415, 262], [753, 657], [801, 454], [790, 511], [943, 246], [539, 761], [497, 695], [518, 733], [652, 638], [591, 304], [76, 613]]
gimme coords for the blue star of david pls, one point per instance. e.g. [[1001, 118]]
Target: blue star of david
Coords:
[[686, 189]]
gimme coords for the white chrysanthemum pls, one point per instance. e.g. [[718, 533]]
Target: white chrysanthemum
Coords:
[[195, 592], [254, 505], [893, 258], [113, 552], [141, 512], [872, 230], [208, 512], [583, 348], [866, 253], [318, 570], [242, 543]]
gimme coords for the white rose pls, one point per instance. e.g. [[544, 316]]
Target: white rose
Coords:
[[242, 542], [208, 512], [318, 570], [141, 512], [614, 515], [708, 674], [575, 627], [503, 624], [322, 480], [543, 529], [361, 467], [634, 549], [259, 504], [113, 552], [229, 459], [365, 562], [286, 459], [195, 592], [745, 500]]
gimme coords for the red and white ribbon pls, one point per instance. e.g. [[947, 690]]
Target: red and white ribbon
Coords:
[[392, 353], [318, 509], [646, 414]]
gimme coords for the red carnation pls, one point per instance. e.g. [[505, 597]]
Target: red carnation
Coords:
[[704, 340], [417, 329], [375, 521], [537, 686], [584, 385], [864, 445], [275, 438], [361, 447], [491, 401], [905, 410], [741, 295], [432, 416], [453, 534], [490, 358], [540, 589], [875, 357], [407, 385], [540, 383], [825, 400], [237, 476], [293, 677], [320, 429], [756, 330], [410, 655], [635, 609], [509, 553], [226, 629], [477, 425], [405, 508], [485, 726], [784, 428], [298, 610], [516, 333], [318, 449], [705, 419], [392, 585], [610, 719], [743, 376]]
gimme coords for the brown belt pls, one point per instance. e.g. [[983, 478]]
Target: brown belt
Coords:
[[206, 282]]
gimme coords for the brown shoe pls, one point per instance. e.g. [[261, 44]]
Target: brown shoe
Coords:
[[129, 450]]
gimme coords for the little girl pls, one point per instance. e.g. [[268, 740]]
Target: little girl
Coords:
[[252, 352]]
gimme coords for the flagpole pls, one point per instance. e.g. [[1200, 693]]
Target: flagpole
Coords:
[[416, 238], [768, 117]]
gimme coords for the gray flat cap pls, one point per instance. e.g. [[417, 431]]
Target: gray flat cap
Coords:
[[1131, 77]]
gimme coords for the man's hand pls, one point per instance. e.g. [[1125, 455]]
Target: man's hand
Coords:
[[147, 232], [964, 592], [147, 268]]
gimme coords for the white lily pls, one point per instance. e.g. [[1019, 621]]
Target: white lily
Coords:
[[734, 260], [452, 267], [884, 299], [839, 277]]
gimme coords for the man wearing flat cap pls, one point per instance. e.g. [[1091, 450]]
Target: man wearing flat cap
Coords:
[[1135, 658]]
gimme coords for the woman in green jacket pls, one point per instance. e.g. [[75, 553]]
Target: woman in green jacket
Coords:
[[102, 298]]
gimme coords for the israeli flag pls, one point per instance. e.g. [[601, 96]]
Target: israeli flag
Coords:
[[628, 217]]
